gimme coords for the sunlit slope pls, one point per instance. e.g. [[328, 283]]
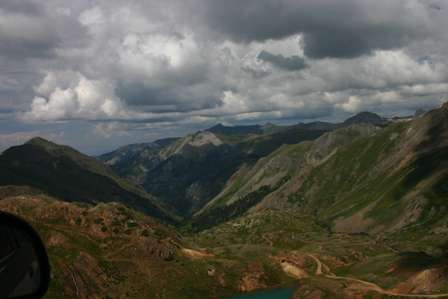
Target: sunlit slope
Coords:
[[359, 178]]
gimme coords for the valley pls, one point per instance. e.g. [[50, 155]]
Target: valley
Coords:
[[356, 209]]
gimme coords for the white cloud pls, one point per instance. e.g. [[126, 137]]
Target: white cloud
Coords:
[[109, 129], [147, 54], [382, 70], [82, 99], [92, 16]]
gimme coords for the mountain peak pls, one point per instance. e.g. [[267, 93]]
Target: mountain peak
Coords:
[[39, 141], [365, 117], [235, 130], [220, 125]]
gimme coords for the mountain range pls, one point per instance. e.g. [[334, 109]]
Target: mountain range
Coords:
[[240, 208], [186, 173]]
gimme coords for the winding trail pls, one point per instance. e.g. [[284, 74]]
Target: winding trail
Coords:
[[365, 285], [318, 263]]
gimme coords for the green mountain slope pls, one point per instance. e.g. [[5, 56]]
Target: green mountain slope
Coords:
[[252, 185], [66, 173], [355, 179]]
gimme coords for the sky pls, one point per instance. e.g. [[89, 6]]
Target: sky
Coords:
[[97, 74]]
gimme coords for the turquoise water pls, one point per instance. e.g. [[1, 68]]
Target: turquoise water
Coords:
[[270, 294]]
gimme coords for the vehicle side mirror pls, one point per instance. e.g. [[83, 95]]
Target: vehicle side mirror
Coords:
[[24, 266]]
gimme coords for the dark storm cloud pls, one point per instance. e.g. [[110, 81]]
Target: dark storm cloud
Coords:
[[293, 63], [26, 31], [342, 29], [435, 6], [33, 29], [159, 99], [19, 48], [21, 6], [354, 41]]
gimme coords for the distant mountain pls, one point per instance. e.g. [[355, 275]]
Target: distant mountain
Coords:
[[235, 134], [236, 130], [135, 160], [188, 172], [64, 172], [365, 118], [419, 112], [320, 125], [124, 153]]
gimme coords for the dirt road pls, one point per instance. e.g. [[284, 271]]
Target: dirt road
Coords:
[[365, 285]]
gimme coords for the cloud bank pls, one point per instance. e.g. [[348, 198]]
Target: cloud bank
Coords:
[[173, 66]]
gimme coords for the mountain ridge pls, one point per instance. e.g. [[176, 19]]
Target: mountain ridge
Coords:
[[206, 161], [66, 173], [183, 174], [337, 175]]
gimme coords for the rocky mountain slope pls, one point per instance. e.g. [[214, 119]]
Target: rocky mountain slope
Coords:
[[361, 178], [366, 118], [188, 172], [135, 160]]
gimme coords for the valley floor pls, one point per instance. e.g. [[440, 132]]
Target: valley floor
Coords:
[[329, 265], [109, 251]]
